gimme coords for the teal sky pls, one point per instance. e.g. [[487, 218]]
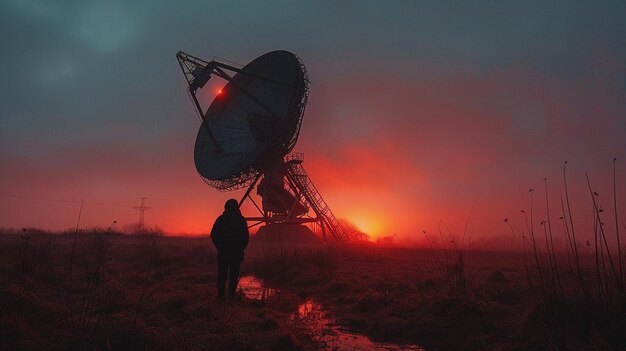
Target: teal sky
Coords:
[[430, 107]]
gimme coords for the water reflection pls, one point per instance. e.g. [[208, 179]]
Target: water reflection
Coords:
[[327, 334], [253, 288], [311, 319]]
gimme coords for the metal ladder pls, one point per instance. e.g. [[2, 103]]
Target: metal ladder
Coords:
[[299, 176]]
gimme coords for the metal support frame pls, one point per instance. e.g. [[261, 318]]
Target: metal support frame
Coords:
[[302, 192]]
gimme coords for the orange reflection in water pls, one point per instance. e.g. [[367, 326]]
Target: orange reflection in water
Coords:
[[253, 288], [327, 334]]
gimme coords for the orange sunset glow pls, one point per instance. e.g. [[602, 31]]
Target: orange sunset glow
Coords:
[[312, 175], [394, 151]]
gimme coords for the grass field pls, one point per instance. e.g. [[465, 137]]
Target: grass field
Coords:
[[117, 292]]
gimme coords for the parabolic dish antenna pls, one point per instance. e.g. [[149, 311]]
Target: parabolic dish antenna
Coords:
[[249, 130]]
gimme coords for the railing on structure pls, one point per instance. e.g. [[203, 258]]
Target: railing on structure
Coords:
[[310, 193]]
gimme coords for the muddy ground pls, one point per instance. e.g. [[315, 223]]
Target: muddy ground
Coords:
[[117, 292]]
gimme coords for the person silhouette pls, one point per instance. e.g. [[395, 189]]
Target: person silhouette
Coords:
[[230, 236]]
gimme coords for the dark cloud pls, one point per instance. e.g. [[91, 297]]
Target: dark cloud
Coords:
[[467, 95]]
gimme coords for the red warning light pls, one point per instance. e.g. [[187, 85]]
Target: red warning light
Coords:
[[219, 92]]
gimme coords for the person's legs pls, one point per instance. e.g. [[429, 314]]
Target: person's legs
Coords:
[[233, 277], [222, 272]]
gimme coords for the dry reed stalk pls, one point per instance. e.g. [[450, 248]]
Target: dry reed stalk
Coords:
[[608, 252], [69, 293], [531, 230], [552, 251], [570, 251], [619, 245], [94, 281], [523, 254], [552, 279], [575, 245], [597, 257]]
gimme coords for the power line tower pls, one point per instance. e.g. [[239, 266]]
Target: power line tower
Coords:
[[142, 208]]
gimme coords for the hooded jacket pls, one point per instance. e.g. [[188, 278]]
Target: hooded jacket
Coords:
[[230, 234]]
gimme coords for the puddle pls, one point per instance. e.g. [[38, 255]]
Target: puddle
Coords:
[[327, 334], [253, 288], [311, 318]]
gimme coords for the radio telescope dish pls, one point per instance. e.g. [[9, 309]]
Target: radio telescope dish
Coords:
[[249, 130], [253, 122]]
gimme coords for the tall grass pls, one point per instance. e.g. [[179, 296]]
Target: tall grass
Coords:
[[600, 224], [619, 245], [556, 279], [92, 292], [602, 304], [531, 229], [451, 259], [522, 251], [576, 256]]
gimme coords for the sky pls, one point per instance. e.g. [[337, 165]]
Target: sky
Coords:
[[422, 114]]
